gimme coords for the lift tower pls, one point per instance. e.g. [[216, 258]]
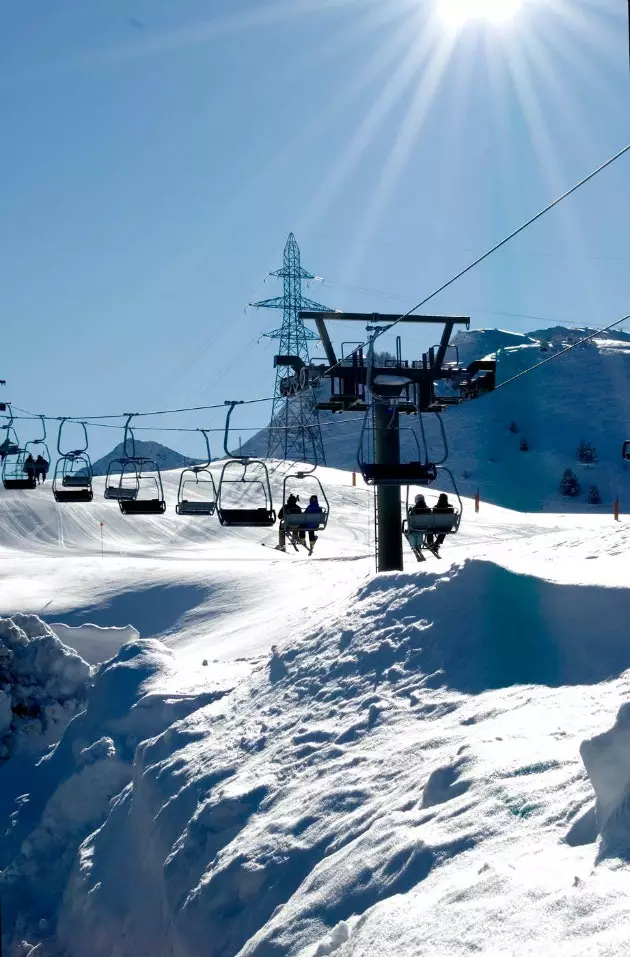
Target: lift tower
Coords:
[[390, 389], [295, 430]]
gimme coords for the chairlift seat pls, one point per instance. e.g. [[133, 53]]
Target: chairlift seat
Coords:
[[19, 483], [75, 481], [441, 522], [187, 507], [310, 521], [84, 494], [121, 493], [142, 506], [407, 473], [247, 517]]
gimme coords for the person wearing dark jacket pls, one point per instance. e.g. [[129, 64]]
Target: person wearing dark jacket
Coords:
[[313, 508], [30, 468], [291, 507], [443, 507], [41, 468]]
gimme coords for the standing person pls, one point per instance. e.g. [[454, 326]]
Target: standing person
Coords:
[[30, 468], [41, 468], [290, 508], [443, 507], [313, 508]]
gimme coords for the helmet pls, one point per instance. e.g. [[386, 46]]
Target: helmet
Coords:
[[313, 498], [420, 500]]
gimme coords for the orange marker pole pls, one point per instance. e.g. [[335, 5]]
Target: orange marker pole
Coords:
[[616, 509], [477, 501], [354, 479]]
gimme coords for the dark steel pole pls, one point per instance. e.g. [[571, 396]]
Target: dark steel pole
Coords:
[[387, 452]]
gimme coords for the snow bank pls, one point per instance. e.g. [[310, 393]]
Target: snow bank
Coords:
[[72, 787], [352, 769], [607, 761], [93, 642], [43, 684]]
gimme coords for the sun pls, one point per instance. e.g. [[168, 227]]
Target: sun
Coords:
[[458, 12]]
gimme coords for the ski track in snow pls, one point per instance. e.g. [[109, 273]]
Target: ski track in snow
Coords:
[[362, 766]]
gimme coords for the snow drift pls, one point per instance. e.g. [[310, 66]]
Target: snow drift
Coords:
[[371, 768]]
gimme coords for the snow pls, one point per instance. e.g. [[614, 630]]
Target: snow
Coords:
[[281, 755]]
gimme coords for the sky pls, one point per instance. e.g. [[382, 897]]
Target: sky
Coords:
[[156, 156]]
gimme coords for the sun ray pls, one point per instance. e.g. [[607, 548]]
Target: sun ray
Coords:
[[421, 101]]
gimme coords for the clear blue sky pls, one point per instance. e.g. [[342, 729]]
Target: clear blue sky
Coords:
[[155, 155]]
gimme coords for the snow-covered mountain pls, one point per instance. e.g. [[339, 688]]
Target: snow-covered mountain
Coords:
[[166, 458], [583, 396]]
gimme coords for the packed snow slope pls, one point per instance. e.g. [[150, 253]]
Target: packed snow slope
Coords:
[[314, 759], [581, 396]]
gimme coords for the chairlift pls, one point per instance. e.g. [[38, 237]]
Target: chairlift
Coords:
[[14, 473], [37, 447], [417, 526], [238, 471], [626, 451], [72, 480], [197, 479], [419, 471], [140, 490], [304, 521]]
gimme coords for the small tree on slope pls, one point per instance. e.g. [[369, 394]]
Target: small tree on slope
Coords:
[[586, 453], [594, 498], [569, 485]]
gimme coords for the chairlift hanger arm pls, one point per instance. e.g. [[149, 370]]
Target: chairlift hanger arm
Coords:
[[386, 318], [226, 434]]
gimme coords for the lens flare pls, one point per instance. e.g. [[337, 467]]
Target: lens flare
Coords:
[[458, 12]]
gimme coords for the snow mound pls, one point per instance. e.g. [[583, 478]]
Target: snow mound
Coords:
[[43, 684], [278, 820], [607, 761], [73, 786]]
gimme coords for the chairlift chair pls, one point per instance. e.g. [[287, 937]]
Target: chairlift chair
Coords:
[[626, 451], [313, 521], [200, 479], [262, 516], [115, 487], [149, 498], [419, 471], [14, 475], [72, 479], [416, 527]]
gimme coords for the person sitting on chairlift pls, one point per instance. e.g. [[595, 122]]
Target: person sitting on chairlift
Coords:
[[443, 507], [313, 506], [417, 539], [291, 508], [41, 468], [29, 467]]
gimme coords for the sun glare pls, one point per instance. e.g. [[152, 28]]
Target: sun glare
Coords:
[[458, 12]]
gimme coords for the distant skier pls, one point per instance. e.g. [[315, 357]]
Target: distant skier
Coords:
[[290, 508], [41, 469], [30, 468], [443, 507], [313, 508]]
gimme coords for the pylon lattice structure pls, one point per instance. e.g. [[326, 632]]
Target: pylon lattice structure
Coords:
[[295, 430]]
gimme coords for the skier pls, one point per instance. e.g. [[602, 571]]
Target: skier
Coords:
[[315, 509], [30, 468], [443, 507], [41, 468], [417, 538], [290, 508]]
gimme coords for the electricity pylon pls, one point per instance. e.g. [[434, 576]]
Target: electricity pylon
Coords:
[[295, 431]]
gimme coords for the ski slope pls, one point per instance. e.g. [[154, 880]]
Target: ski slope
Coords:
[[299, 757]]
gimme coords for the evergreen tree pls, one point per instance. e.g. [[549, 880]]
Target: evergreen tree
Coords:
[[594, 498], [513, 427], [524, 445], [569, 484], [586, 453]]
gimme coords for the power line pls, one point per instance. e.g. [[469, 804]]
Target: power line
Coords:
[[516, 232]]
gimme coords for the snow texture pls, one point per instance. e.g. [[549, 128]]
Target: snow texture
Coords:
[[43, 684]]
